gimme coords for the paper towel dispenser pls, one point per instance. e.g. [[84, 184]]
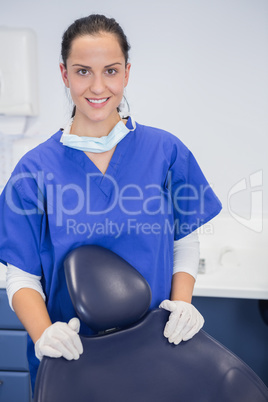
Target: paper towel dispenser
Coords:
[[18, 72]]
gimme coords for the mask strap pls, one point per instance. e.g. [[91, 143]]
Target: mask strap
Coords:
[[67, 128], [69, 125], [133, 123]]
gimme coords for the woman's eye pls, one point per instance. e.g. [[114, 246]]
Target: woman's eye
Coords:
[[111, 71], [82, 71]]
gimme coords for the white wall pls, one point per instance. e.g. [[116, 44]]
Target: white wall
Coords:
[[199, 70]]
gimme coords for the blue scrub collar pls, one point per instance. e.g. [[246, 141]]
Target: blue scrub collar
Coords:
[[96, 144]]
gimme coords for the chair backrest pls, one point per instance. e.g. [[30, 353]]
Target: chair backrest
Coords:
[[135, 362], [105, 290]]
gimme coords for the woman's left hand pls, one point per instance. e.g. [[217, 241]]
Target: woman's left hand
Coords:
[[184, 321]]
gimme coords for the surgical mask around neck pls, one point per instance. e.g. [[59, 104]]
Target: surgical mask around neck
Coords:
[[96, 144]]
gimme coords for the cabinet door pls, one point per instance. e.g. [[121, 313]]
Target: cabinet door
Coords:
[[8, 319], [13, 350], [14, 387]]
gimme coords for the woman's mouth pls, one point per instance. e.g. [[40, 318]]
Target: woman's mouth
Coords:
[[97, 102]]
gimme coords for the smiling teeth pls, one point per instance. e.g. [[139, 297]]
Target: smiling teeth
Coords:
[[97, 101]]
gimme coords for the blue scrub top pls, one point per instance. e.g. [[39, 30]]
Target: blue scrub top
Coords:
[[56, 200]]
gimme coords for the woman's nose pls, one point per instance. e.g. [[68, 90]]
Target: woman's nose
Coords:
[[97, 84]]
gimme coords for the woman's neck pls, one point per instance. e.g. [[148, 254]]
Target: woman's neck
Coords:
[[83, 126]]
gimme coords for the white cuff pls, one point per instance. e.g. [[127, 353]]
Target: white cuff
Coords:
[[187, 254], [17, 279], [186, 259]]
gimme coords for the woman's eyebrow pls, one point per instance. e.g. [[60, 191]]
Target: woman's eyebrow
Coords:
[[88, 67]]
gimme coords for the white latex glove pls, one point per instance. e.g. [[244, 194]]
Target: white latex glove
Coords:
[[60, 339], [184, 321]]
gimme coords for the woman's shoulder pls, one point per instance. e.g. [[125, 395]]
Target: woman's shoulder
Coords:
[[155, 138], [38, 156], [157, 134]]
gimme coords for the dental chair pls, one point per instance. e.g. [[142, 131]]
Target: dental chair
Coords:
[[130, 360]]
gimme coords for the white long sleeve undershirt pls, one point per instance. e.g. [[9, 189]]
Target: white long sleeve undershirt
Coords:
[[186, 259], [187, 254], [17, 279]]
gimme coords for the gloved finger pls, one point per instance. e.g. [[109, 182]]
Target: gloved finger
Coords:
[[78, 344], [71, 340], [195, 325], [195, 329], [74, 324], [66, 348], [47, 350], [176, 311], [175, 337], [189, 327], [183, 322], [171, 325], [177, 340], [168, 305], [65, 340]]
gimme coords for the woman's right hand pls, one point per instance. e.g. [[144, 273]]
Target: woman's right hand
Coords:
[[60, 340]]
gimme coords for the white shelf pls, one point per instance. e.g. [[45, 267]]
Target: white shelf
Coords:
[[236, 260]]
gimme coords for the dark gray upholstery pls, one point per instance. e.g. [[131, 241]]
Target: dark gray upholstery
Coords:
[[137, 363]]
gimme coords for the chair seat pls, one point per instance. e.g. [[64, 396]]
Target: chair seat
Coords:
[[138, 364]]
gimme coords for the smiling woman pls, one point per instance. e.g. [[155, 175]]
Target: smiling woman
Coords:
[[96, 70], [95, 87], [133, 189]]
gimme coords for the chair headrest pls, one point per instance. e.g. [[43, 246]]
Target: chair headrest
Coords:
[[106, 291]]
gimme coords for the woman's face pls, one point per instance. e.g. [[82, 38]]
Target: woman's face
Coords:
[[96, 71]]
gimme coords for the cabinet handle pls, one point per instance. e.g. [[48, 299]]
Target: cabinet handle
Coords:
[[1, 382]]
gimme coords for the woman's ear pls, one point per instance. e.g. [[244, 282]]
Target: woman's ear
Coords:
[[64, 74], [127, 70]]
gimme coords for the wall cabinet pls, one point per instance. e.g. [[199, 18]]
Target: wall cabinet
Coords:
[[14, 372]]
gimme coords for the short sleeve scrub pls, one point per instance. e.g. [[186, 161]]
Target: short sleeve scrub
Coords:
[[56, 199]]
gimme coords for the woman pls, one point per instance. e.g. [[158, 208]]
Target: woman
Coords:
[[134, 189]]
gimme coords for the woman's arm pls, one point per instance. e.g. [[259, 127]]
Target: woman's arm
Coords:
[[182, 287], [31, 310], [54, 340], [184, 321]]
